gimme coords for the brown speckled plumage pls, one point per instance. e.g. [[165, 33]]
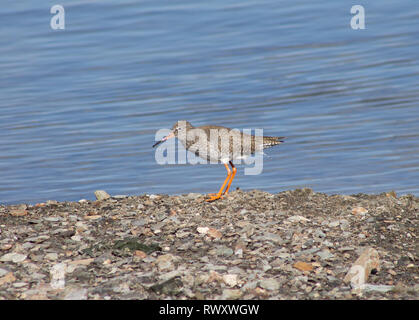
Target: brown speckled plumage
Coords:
[[231, 144]]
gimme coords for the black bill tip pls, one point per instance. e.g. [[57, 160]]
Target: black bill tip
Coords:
[[157, 143]]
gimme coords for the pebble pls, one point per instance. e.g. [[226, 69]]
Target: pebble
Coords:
[[165, 262], [230, 279], [13, 257], [140, 254], [51, 256], [307, 252], [202, 230], [334, 224], [359, 211], [18, 212], [325, 254], [57, 274], [75, 294], [283, 255], [224, 251], [303, 266], [9, 277], [214, 233], [53, 219], [320, 234], [378, 288], [269, 284], [231, 294], [360, 270], [272, 237], [120, 196], [3, 272], [101, 195], [19, 284], [296, 218], [193, 196], [38, 239]]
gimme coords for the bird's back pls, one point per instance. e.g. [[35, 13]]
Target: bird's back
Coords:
[[218, 142]]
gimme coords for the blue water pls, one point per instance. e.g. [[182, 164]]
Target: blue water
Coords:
[[79, 108]]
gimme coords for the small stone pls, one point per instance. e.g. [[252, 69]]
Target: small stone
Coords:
[[230, 279], [334, 224], [6, 246], [344, 224], [298, 218], [269, 284], [202, 230], [239, 248], [325, 254], [140, 254], [392, 272], [224, 251], [57, 273], [53, 219], [92, 217], [344, 249], [362, 267], [51, 256], [38, 239], [283, 255], [76, 294], [214, 233], [18, 212], [303, 266], [379, 288], [13, 257], [193, 196], [272, 237], [83, 262], [320, 234], [359, 210], [231, 294], [76, 237], [120, 196], [164, 262], [19, 284], [101, 195], [9, 277], [3, 272]]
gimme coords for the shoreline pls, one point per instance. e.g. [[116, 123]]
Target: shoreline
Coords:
[[296, 244]]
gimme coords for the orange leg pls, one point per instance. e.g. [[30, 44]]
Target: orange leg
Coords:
[[220, 193], [232, 177]]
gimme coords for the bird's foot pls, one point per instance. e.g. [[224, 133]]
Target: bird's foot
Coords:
[[214, 196]]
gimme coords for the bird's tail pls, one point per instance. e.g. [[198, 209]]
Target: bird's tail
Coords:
[[272, 141]]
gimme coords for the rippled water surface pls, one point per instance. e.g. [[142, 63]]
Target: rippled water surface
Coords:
[[79, 108]]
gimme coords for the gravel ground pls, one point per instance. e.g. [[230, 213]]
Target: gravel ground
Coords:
[[250, 245]]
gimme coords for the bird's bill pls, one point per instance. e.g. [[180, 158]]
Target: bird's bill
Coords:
[[169, 136]]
